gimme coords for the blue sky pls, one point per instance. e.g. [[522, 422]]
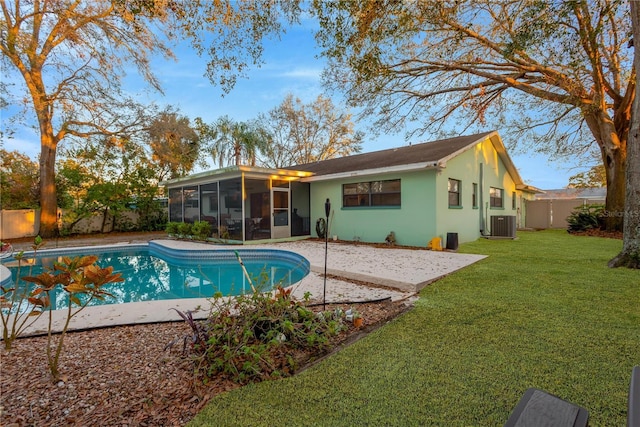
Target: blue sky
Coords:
[[291, 66]]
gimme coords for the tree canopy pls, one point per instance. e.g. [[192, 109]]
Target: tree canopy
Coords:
[[305, 133], [234, 142], [71, 57], [174, 144], [18, 181], [555, 74]]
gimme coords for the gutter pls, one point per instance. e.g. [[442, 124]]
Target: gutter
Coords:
[[376, 171]]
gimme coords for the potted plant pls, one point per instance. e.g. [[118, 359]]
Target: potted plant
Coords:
[[358, 321]]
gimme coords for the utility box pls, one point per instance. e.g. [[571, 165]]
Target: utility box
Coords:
[[503, 226], [452, 241]]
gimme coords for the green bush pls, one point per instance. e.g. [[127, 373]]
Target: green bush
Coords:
[[172, 228], [245, 337], [201, 230], [184, 229], [586, 218]]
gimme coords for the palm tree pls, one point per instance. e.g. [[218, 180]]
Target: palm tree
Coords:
[[238, 142]]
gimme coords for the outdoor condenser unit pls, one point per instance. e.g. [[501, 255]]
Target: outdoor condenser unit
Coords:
[[503, 225]]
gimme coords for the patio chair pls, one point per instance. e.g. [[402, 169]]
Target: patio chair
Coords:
[[249, 229], [541, 409], [633, 412], [263, 230]]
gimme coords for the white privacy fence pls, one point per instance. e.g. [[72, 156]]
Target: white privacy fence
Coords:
[[15, 224], [19, 223]]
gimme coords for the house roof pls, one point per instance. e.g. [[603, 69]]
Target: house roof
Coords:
[[575, 193], [428, 153]]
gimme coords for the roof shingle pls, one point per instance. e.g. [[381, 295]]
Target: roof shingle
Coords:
[[419, 153]]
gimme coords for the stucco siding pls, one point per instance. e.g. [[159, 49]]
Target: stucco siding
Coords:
[[480, 165], [413, 223]]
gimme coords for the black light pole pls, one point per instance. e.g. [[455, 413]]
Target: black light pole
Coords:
[[327, 210]]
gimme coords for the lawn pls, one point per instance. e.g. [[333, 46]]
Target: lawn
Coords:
[[541, 311]]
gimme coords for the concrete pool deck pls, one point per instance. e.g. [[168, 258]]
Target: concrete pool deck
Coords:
[[362, 272]]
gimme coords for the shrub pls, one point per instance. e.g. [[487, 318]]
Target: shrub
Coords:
[[74, 277], [79, 278], [585, 218], [253, 337], [17, 310], [201, 230], [184, 229], [172, 228]]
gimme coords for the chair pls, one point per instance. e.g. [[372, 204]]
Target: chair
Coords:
[[541, 409], [263, 230], [633, 412], [249, 229]]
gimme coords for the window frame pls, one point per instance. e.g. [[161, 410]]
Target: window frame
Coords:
[[367, 197], [474, 195], [457, 193], [493, 198], [513, 200]]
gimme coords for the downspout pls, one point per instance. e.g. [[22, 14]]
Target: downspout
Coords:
[[483, 219]]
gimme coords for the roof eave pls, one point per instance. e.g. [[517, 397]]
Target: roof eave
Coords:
[[217, 174], [529, 189], [375, 171]]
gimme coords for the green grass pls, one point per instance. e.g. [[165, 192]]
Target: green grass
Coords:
[[542, 311]]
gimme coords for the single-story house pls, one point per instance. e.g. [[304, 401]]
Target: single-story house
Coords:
[[462, 187]]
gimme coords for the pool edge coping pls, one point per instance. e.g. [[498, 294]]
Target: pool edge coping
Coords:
[[140, 312]]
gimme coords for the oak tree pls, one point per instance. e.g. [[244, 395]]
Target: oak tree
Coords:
[[305, 133], [595, 177], [557, 74], [630, 254], [174, 144], [71, 56]]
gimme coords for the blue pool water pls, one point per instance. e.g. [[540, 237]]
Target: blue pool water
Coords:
[[154, 272]]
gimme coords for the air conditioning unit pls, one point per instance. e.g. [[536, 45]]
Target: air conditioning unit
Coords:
[[503, 225]]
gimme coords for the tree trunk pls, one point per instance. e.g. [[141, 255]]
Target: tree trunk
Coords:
[[630, 255], [48, 199], [615, 165], [612, 141]]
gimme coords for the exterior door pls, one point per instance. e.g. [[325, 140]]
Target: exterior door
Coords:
[[280, 213]]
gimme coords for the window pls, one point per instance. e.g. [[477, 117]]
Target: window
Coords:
[[513, 200], [375, 193], [454, 193], [495, 197], [474, 195]]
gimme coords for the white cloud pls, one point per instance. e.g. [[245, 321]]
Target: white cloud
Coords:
[[303, 73]]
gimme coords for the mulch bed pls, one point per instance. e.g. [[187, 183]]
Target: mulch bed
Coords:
[[122, 376]]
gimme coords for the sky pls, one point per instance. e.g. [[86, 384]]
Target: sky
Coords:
[[291, 66]]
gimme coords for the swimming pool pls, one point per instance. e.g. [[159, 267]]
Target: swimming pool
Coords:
[[155, 272]]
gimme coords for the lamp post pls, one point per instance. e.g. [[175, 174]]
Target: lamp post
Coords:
[[327, 210]]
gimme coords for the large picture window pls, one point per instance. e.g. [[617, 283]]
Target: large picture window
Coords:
[[374, 193], [454, 193], [495, 197]]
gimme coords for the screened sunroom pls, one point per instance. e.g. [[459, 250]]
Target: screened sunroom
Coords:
[[243, 203]]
